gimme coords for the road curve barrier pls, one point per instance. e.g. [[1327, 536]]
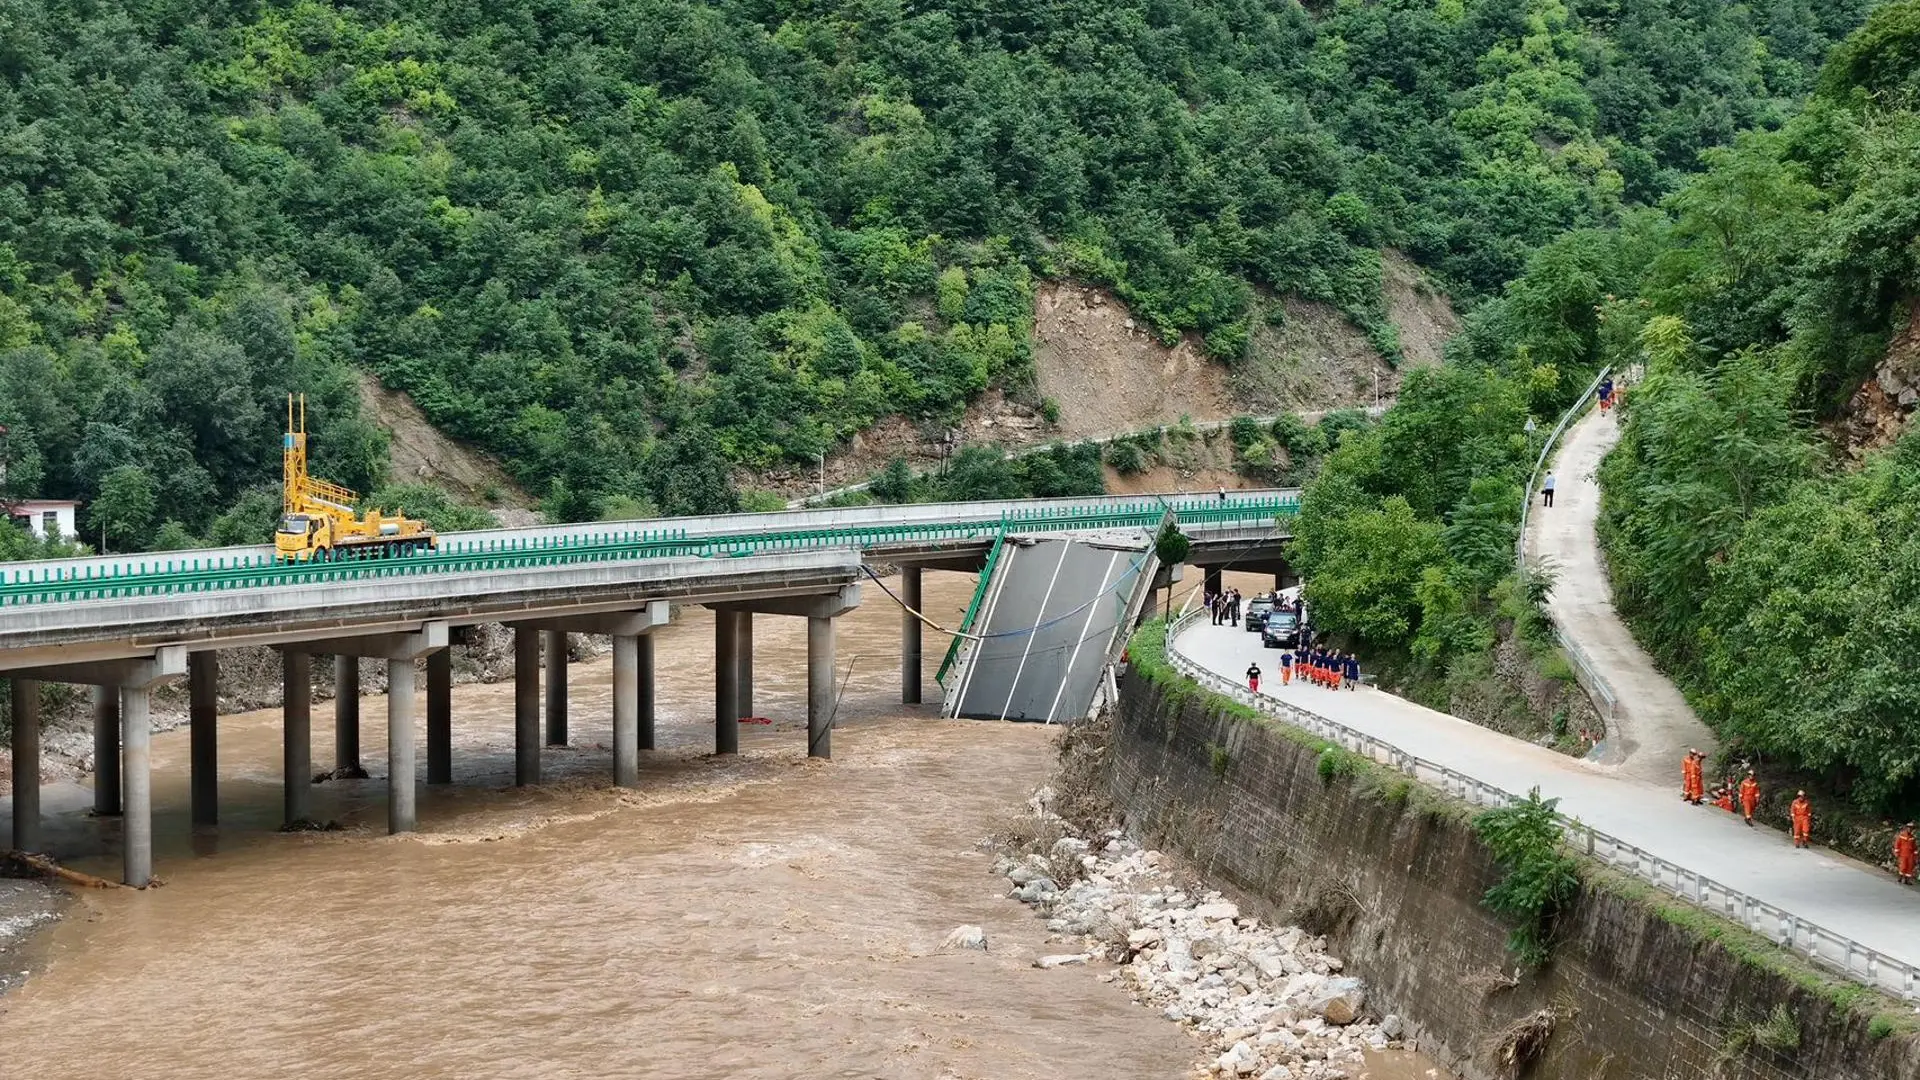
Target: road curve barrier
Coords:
[[1804, 936]]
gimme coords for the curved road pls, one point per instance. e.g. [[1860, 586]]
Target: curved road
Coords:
[[1652, 724], [1844, 896]]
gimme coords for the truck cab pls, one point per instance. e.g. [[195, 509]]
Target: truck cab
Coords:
[[298, 537]]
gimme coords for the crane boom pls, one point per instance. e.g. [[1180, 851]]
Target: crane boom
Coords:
[[318, 519]]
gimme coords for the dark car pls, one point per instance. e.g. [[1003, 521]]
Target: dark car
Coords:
[[1280, 630], [1256, 614]]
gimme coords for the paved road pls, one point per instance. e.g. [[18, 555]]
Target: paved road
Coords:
[[1652, 725], [1843, 896]]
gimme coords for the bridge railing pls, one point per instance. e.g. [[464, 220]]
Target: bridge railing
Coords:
[[1817, 943], [72, 581]]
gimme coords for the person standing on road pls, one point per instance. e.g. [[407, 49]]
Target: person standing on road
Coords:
[[1693, 779], [1749, 797], [1606, 394], [1213, 607], [1906, 853], [1253, 677], [1353, 671], [1802, 813], [1233, 606], [1286, 668], [1546, 490]]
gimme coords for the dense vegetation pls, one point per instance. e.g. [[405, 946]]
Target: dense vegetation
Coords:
[[1780, 584], [632, 246]]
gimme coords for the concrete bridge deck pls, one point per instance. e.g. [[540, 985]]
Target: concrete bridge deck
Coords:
[[125, 624]]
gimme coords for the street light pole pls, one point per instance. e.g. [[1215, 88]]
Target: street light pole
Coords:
[[823, 473]]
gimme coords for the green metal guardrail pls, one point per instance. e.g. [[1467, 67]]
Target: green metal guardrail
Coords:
[[186, 574], [973, 608]]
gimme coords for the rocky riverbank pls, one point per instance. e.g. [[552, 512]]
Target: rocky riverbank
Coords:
[[25, 907], [1264, 1001]]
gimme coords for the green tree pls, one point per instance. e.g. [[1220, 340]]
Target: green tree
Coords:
[[123, 510]]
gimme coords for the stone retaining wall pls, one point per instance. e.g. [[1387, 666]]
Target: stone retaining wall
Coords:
[[1396, 879]]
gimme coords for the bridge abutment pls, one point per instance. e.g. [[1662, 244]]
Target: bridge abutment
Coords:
[[26, 765]]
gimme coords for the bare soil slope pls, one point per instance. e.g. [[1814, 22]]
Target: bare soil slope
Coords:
[[1885, 404], [1109, 374], [420, 454]]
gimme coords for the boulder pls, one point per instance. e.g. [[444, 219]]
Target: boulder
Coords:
[[1238, 1061], [1219, 909], [1062, 960], [1023, 873], [966, 937], [1067, 849], [1392, 1027], [1339, 1001], [1143, 937], [1278, 1072]]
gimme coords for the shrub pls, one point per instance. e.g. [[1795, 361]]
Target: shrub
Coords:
[[1539, 877]]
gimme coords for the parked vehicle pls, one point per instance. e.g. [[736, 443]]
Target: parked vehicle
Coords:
[[1255, 616], [1281, 630]]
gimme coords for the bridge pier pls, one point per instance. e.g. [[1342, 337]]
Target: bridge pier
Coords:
[[744, 625], [910, 658], [726, 688], [106, 752], [26, 765], [346, 717], [136, 705], [556, 649], [401, 814], [819, 686], [203, 734], [645, 659], [296, 736], [440, 717], [819, 611], [526, 706]]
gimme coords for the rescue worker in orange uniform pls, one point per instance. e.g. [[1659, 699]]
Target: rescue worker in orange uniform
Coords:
[[1723, 797], [1749, 796], [1690, 777], [1906, 853], [1286, 668], [1802, 812]]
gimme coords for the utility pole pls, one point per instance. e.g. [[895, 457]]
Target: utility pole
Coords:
[[823, 472]]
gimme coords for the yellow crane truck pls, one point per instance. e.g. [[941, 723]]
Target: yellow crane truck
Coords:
[[318, 521]]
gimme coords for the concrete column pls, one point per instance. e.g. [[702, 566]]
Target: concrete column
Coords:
[[137, 832], [26, 765], [106, 751], [556, 687], [645, 659], [743, 627], [819, 687], [400, 804], [440, 717], [726, 683], [526, 706], [346, 716], [296, 769], [203, 721], [910, 660], [626, 710]]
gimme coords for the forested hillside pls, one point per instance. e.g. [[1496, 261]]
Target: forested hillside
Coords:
[[1776, 577], [631, 245]]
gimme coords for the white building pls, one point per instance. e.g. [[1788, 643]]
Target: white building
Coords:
[[46, 518]]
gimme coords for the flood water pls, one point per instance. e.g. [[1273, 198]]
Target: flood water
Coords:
[[758, 916]]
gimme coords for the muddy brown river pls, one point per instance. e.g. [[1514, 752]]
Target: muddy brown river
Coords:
[[759, 916]]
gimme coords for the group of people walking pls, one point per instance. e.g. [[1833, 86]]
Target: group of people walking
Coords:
[[1906, 848], [1224, 607], [1327, 668]]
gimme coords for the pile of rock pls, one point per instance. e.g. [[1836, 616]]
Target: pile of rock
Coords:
[[1267, 1001]]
